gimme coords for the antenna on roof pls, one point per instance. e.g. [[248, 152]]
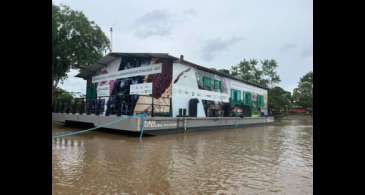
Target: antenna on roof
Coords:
[[111, 39]]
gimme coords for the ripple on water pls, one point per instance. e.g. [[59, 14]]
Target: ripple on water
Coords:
[[275, 159]]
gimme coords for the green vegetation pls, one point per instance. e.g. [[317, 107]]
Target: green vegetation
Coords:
[[76, 42], [303, 94], [264, 75], [279, 100], [62, 95]]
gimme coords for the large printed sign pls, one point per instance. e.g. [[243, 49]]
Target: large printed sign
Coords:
[[103, 89], [201, 94], [139, 71], [141, 89]]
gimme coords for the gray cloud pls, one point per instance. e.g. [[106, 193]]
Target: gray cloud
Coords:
[[215, 46], [190, 12], [271, 26], [308, 52], [288, 46], [160, 22], [154, 23]]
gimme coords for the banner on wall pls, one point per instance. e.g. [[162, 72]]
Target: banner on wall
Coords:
[[139, 71], [103, 89], [141, 89], [201, 94]]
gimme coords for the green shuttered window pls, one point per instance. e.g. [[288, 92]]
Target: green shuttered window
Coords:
[[247, 99], [212, 84], [217, 85], [207, 83], [236, 96], [260, 101]]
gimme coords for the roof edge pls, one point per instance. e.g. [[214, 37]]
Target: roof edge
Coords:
[[220, 73]]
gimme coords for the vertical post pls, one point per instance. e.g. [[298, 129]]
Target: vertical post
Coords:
[[142, 118], [184, 124], [153, 108], [55, 105], [111, 39], [67, 107], [170, 108]]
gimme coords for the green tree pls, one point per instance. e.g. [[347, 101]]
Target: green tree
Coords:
[[246, 70], [76, 42], [63, 95], [225, 71], [264, 74], [303, 94], [279, 100], [269, 73]]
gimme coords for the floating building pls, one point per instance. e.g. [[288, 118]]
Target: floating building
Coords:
[[166, 89]]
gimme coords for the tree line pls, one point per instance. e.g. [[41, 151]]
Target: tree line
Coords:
[[263, 73]]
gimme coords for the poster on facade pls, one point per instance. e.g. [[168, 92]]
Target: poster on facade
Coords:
[[141, 89], [201, 94], [132, 72], [103, 89]]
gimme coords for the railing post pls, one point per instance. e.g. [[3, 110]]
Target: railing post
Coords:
[[55, 105], [83, 105], [153, 108], [68, 107], [74, 107], [97, 106], [142, 119], [60, 107], [170, 107]]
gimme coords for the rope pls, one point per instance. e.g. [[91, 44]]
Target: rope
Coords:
[[104, 125]]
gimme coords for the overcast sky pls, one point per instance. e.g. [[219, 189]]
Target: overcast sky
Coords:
[[212, 33]]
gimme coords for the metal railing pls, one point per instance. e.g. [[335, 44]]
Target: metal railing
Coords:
[[113, 105]]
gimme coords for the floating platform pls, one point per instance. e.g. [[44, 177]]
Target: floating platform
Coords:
[[160, 125]]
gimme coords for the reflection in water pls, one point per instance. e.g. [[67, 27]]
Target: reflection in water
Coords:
[[273, 159]]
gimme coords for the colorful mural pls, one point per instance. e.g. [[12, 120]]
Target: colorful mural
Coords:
[[120, 101], [217, 95], [168, 87]]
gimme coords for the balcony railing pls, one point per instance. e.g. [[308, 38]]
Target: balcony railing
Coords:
[[114, 105]]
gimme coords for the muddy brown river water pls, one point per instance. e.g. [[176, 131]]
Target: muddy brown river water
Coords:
[[272, 159]]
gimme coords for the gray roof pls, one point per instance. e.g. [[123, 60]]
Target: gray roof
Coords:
[[89, 70]]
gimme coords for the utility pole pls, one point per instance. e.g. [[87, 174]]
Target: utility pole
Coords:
[[111, 39]]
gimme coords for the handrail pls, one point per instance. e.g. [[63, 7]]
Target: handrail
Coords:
[[101, 105]]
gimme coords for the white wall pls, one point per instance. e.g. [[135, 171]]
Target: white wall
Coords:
[[186, 81], [187, 88]]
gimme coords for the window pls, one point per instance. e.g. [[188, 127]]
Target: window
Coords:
[[236, 96], [247, 98], [217, 85], [207, 83], [260, 101]]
